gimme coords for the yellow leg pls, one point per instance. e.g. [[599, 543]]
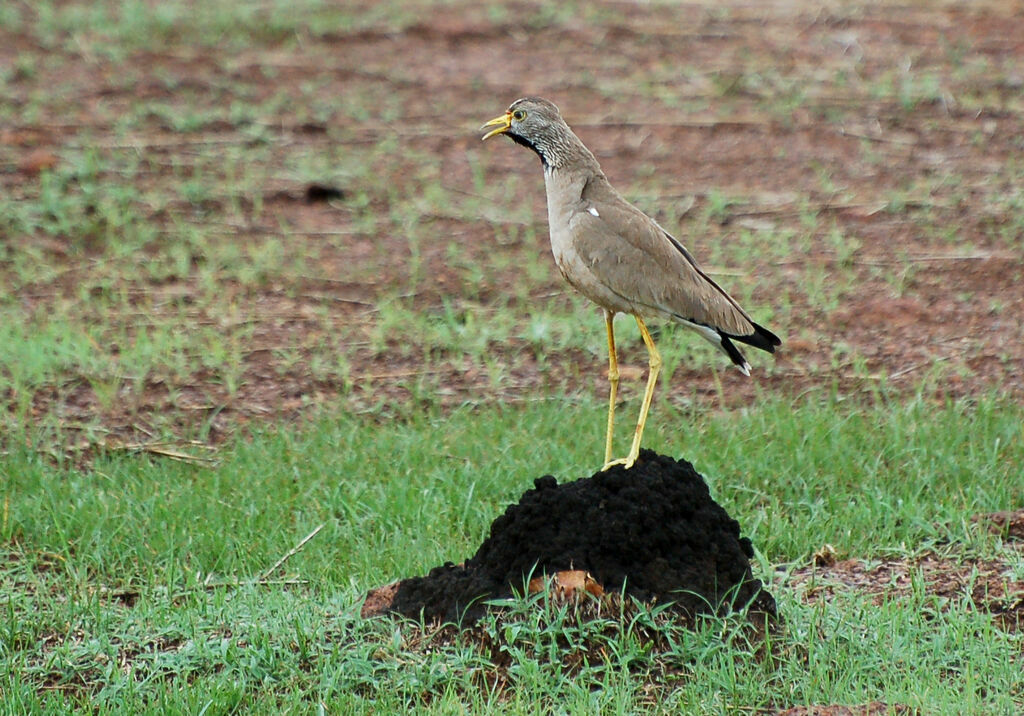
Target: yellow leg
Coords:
[[613, 384], [652, 378]]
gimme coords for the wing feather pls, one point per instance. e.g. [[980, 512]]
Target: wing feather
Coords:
[[634, 257]]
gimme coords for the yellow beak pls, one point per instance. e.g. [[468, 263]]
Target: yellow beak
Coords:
[[503, 123]]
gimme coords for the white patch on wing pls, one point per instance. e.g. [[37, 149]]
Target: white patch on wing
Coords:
[[593, 211]]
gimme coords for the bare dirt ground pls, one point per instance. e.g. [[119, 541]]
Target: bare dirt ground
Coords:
[[884, 141], [951, 578]]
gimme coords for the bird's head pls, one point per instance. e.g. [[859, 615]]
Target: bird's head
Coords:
[[535, 123]]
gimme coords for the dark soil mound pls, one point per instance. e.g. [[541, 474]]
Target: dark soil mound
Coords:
[[653, 528]]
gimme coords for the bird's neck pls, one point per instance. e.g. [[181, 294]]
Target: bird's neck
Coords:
[[560, 151], [568, 171], [572, 152]]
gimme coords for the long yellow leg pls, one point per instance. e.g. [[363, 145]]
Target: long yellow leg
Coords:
[[613, 384], [652, 378]]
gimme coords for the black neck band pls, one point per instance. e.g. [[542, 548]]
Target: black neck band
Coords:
[[527, 143]]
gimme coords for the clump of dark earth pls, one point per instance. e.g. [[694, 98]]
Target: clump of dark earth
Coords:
[[652, 529], [323, 192]]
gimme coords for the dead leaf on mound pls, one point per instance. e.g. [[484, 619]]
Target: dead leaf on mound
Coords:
[[570, 584]]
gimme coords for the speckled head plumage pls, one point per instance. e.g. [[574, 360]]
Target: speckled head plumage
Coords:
[[536, 123]]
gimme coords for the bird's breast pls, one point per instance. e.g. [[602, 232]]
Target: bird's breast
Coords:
[[577, 268], [561, 198]]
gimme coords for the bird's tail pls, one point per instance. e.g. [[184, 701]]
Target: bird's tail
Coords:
[[761, 338]]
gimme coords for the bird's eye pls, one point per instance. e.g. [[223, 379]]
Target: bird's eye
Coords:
[[519, 115]]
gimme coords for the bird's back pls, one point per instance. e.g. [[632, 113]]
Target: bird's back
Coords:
[[623, 260]]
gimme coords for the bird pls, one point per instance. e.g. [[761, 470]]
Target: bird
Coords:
[[622, 259]]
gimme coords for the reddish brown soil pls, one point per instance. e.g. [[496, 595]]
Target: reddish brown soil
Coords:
[[875, 708], [985, 584], [789, 107], [653, 531]]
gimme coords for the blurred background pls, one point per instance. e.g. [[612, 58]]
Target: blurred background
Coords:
[[215, 212]]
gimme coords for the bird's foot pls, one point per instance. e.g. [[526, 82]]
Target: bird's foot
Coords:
[[626, 462]]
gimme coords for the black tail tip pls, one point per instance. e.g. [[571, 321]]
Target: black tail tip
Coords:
[[761, 338]]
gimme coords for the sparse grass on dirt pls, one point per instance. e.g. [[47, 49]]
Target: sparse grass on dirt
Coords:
[[165, 275], [258, 275]]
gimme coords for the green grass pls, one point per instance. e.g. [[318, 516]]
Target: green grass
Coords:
[[398, 498]]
